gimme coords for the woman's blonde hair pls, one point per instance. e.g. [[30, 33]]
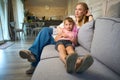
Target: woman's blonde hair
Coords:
[[85, 18], [84, 5]]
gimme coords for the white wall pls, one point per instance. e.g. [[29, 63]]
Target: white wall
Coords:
[[113, 8], [99, 8], [104, 8]]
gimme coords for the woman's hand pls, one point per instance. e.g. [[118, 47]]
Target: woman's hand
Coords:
[[89, 15]]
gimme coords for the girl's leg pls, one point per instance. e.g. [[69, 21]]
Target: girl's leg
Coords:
[[62, 53], [70, 50], [86, 62], [81, 64], [71, 59]]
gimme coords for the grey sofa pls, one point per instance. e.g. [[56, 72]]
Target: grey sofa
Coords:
[[103, 45]]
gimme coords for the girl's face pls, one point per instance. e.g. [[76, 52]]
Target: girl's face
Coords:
[[80, 11], [68, 25]]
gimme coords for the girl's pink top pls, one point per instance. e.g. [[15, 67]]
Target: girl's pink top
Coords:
[[70, 34]]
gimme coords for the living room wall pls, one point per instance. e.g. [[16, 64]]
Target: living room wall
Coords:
[[56, 9], [104, 8], [101, 8], [71, 6]]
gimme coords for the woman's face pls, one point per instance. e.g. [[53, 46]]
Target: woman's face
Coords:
[[79, 11]]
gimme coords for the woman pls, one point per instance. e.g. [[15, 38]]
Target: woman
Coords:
[[44, 37]]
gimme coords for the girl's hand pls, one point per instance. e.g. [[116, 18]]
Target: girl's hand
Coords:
[[59, 30], [64, 35]]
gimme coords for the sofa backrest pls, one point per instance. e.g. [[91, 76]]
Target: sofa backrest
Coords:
[[106, 42], [85, 35]]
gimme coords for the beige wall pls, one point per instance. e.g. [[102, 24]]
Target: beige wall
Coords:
[[71, 6], [49, 9], [51, 12], [99, 8]]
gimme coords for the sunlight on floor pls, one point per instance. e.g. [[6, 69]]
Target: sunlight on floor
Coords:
[[2, 58], [1, 55]]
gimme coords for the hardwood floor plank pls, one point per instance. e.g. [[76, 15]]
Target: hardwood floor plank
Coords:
[[12, 67]]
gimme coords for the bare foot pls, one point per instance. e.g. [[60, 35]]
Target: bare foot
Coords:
[[78, 62]]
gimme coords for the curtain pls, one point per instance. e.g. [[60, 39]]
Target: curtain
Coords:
[[4, 18], [16, 14], [1, 33], [10, 19], [18, 11], [11, 10]]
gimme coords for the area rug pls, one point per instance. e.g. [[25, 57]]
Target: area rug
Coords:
[[6, 45]]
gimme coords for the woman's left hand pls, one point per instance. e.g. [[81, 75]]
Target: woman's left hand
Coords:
[[88, 13]]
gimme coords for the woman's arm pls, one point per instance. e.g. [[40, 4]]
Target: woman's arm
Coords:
[[89, 15]]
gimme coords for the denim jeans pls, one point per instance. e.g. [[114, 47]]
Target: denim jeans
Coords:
[[43, 38]]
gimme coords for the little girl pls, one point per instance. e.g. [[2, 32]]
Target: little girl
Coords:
[[66, 39]]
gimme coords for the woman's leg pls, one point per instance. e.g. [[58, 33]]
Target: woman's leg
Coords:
[[34, 53], [43, 38]]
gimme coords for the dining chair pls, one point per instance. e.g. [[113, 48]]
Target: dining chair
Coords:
[[17, 30], [36, 30]]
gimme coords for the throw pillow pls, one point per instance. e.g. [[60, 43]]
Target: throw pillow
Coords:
[[85, 35]]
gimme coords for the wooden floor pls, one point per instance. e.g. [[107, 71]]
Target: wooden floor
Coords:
[[12, 67]]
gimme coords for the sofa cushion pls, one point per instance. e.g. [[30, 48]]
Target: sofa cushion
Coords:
[[49, 51], [85, 35], [81, 51], [106, 42], [54, 69]]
